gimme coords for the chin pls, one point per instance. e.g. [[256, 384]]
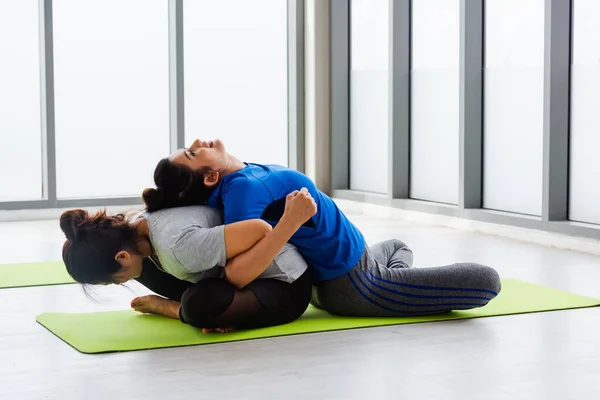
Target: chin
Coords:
[[218, 144]]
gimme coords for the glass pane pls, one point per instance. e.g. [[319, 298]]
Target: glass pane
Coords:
[[434, 92], [369, 95], [20, 120], [513, 105], [111, 94], [236, 76], [585, 115]]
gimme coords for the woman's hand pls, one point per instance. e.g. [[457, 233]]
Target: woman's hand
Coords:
[[299, 207]]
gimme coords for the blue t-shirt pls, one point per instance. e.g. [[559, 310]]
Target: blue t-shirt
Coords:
[[329, 242]]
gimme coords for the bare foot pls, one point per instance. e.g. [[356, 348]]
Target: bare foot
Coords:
[[153, 304], [217, 330]]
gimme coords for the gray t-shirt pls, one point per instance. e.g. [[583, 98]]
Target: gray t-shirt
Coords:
[[190, 245]]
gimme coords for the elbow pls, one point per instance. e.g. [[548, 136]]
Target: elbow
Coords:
[[235, 278], [239, 285], [264, 227]]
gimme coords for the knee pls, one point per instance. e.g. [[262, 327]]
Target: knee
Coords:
[[399, 244], [203, 302], [407, 253], [488, 279], [287, 301]]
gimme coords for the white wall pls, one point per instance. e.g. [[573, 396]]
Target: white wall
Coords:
[[111, 72], [513, 105], [369, 95], [236, 76], [585, 113], [434, 139], [20, 134]]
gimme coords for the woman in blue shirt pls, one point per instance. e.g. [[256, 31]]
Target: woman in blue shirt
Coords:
[[350, 278]]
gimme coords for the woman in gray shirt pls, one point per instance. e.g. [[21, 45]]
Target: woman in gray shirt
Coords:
[[212, 276]]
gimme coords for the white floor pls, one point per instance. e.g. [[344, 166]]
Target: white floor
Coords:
[[553, 355]]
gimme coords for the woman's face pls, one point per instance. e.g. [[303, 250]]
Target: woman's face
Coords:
[[131, 267], [202, 156]]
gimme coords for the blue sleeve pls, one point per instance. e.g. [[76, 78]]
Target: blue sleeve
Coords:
[[244, 199]]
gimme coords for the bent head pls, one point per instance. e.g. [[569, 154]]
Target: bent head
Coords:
[[100, 249], [188, 176]]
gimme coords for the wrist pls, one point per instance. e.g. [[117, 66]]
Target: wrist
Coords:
[[288, 225]]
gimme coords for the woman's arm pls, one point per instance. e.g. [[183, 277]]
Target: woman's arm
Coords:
[[199, 249], [246, 267], [241, 236]]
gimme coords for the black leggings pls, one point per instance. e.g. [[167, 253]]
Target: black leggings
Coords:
[[216, 303]]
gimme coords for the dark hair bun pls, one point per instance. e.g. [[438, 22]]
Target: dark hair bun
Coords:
[[70, 222], [153, 198]]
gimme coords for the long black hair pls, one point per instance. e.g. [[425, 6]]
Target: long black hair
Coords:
[[92, 243]]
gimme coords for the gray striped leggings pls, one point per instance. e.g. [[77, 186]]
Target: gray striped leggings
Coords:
[[384, 284]]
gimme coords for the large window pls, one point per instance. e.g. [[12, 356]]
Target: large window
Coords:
[[235, 55], [434, 100], [111, 94], [513, 105], [20, 133], [585, 113], [369, 95]]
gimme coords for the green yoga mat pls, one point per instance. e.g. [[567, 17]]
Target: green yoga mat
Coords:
[[33, 274], [127, 330]]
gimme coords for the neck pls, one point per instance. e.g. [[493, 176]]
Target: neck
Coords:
[[232, 165], [144, 247]]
